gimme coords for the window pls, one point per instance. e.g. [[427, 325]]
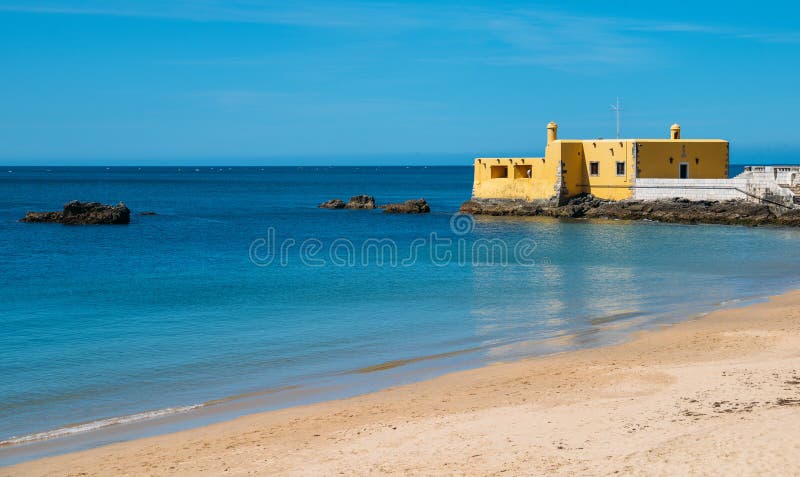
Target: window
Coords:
[[499, 172], [594, 168], [683, 170], [620, 168], [522, 172]]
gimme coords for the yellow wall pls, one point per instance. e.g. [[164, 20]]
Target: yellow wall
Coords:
[[540, 186], [607, 184], [707, 159], [565, 171]]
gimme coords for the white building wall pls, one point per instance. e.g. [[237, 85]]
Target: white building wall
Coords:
[[751, 186], [692, 189]]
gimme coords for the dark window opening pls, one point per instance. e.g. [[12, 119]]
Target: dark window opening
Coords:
[[594, 168], [620, 168], [684, 171], [499, 172], [522, 172]]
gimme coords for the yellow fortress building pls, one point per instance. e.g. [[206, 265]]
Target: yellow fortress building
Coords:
[[606, 168]]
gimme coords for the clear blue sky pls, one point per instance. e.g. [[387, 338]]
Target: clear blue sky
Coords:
[[238, 82]]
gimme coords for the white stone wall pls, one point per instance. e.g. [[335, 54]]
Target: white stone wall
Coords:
[[787, 175], [692, 189], [752, 186]]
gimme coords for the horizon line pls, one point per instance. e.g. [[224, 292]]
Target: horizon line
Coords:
[[240, 166]]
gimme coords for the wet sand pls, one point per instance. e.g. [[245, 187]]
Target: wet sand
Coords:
[[719, 395]]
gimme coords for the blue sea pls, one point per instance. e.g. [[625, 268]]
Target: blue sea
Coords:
[[240, 295]]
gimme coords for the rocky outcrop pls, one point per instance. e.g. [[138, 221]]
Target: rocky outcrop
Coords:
[[41, 217], [356, 202], [732, 212], [83, 213], [414, 206], [502, 207], [332, 204], [361, 202]]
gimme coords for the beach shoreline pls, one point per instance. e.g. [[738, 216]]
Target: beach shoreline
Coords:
[[605, 330], [719, 392], [602, 330]]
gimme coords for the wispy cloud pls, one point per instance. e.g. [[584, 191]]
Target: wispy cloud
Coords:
[[375, 15], [533, 36], [235, 11], [650, 26], [294, 104], [773, 37], [552, 39], [566, 41]]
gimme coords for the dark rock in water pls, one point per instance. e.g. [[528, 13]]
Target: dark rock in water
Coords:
[[500, 207], [731, 212], [332, 204], [41, 217], [84, 213], [147, 212], [361, 202], [414, 206]]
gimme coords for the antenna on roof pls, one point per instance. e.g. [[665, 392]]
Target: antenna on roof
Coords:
[[618, 109]]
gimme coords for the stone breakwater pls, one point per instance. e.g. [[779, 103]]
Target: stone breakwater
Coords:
[[83, 213], [731, 212]]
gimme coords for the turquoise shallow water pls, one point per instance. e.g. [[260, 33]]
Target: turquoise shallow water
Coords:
[[199, 303]]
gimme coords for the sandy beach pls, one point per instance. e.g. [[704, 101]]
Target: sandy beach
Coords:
[[718, 395]]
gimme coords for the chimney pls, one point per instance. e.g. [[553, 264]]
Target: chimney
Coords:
[[552, 132], [675, 131]]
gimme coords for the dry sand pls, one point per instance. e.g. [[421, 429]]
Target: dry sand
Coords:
[[719, 396]]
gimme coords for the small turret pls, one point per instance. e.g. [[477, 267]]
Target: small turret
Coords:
[[675, 131], [552, 132]]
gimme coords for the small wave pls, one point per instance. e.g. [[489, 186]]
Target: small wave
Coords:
[[732, 301], [741, 301], [95, 425], [402, 362], [622, 315]]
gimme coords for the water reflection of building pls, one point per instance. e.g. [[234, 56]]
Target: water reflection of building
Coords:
[[580, 283]]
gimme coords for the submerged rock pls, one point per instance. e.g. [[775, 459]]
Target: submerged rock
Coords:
[[84, 213], [332, 204], [413, 206], [147, 212], [731, 212], [361, 202]]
